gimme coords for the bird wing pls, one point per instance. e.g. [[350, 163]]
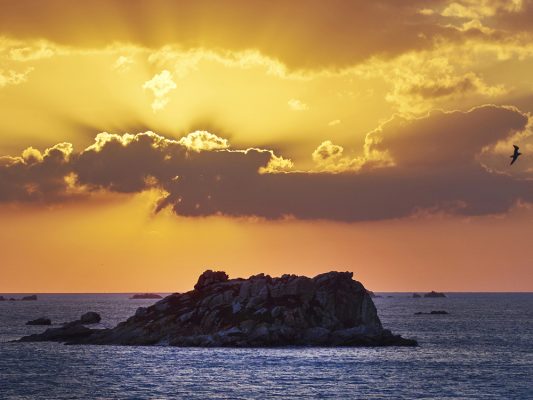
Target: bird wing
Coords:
[[515, 147]]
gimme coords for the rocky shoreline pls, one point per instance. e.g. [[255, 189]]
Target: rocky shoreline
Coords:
[[330, 309]]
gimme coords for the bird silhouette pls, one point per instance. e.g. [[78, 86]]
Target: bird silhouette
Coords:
[[515, 154]]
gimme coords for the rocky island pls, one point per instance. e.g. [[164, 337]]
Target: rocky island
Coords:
[[144, 296], [25, 298], [330, 309], [434, 294]]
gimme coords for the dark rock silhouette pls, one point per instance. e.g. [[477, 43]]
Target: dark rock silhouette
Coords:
[[438, 312], [330, 309], [416, 296], [434, 294], [69, 331], [515, 155], [40, 321], [25, 298], [145, 296], [90, 317]]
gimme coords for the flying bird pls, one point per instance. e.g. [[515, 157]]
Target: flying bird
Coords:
[[515, 154]]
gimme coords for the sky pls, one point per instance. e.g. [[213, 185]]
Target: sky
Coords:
[[143, 142]]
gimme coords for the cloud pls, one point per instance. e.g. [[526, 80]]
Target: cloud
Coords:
[[123, 64], [473, 9], [444, 139], [203, 140], [312, 32], [13, 77], [36, 176], [329, 157], [297, 105], [160, 85], [409, 166]]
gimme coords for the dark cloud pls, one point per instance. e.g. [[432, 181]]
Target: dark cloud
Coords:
[[302, 33], [36, 177], [433, 165]]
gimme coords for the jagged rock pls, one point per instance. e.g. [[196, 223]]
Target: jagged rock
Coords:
[[40, 321], [209, 277], [330, 309], [29, 298], [416, 296], [145, 296], [434, 294]]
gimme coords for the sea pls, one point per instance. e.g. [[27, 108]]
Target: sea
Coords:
[[481, 349]]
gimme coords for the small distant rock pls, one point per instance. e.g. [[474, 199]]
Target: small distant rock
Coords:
[[40, 321], [29, 298], [90, 317], [2, 298], [145, 296], [434, 294], [416, 296], [438, 312]]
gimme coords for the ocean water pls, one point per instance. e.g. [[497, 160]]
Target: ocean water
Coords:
[[483, 349]]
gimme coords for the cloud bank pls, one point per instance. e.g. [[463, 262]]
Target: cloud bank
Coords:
[[409, 165]]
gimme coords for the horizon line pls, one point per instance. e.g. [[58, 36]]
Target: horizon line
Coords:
[[373, 291]]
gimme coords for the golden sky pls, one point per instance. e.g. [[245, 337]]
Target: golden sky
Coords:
[[142, 142]]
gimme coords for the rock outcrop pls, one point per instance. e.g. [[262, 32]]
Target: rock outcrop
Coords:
[[416, 296], [40, 321], [434, 294], [90, 317], [69, 331], [330, 309], [145, 296]]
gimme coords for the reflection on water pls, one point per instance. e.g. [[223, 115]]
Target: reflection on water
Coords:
[[482, 349]]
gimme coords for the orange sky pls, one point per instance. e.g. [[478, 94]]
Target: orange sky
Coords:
[[143, 142]]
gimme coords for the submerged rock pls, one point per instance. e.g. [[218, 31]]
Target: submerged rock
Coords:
[[145, 296], [434, 294], [416, 296], [330, 309], [40, 321]]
